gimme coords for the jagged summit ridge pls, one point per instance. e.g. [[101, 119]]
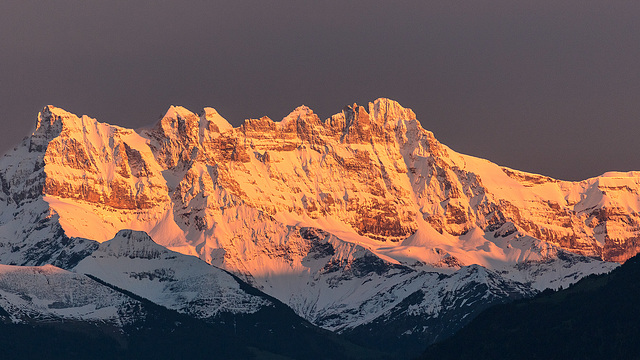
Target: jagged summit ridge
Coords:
[[48, 125], [397, 176], [342, 219], [134, 244], [50, 115]]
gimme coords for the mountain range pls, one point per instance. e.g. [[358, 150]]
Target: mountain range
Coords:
[[363, 228]]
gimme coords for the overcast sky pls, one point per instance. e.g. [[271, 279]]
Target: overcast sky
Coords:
[[550, 87]]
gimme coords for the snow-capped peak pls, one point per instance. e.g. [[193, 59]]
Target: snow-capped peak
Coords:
[[175, 112], [50, 114], [49, 124], [55, 117], [388, 112], [622, 174], [300, 111], [132, 244], [300, 114], [211, 117]]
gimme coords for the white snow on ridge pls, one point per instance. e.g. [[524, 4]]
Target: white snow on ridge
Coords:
[[134, 262], [49, 292]]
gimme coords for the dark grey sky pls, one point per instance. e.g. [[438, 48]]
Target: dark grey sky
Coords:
[[551, 87]]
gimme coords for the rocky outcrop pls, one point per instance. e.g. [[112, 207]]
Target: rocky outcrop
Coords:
[[260, 165], [95, 162], [376, 169]]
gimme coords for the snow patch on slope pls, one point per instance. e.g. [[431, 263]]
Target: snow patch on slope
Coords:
[[134, 262], [47, 292]]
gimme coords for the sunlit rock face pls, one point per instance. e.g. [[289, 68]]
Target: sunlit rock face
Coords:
[[381, 173], [97, 163], [348, 167], [374, 169], [342, 219]]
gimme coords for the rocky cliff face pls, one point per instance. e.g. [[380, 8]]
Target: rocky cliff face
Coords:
[[375, 169], [382, 174], [342, 219], [348, 166], [97, 163]]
